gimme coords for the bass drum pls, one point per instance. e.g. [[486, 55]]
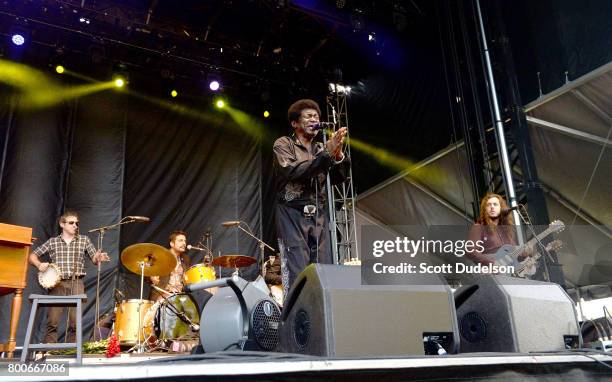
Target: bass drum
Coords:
[[127, 320], [166, 323]]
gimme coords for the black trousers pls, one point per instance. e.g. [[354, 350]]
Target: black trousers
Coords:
[[302, 241]]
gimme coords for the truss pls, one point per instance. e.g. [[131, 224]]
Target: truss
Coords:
[[341, 197]]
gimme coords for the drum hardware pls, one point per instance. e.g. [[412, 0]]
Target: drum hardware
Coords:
[[101, 231], [50, 277], [147, 260], [261, 243]]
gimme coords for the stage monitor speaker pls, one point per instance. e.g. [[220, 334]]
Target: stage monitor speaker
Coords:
[[506, 314], [329, 313]]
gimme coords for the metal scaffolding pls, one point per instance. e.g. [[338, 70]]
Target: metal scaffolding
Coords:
[[341, 197]]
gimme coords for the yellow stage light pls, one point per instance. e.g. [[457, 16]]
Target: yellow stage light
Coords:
[[220, 104], [119, 82], [266, 114], [173, 93], [59, 69]]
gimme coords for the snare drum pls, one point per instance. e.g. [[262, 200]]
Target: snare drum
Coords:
[[126, 322]]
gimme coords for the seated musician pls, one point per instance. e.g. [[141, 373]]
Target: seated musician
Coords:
[[172, 283], [495, 228]]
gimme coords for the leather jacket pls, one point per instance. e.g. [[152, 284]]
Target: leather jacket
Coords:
[[300, 172]]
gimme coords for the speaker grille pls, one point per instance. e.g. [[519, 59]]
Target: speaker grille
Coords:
[[301, 329], [265, 321], [473, 327]]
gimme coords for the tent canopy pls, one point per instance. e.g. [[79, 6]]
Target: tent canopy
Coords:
[[570, 130]]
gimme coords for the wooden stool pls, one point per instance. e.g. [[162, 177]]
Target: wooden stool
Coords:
[[43, 299]]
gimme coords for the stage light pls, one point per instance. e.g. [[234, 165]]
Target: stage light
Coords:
[[266, 114], [173, 93], [214, 85], [18, 39], [340, 89], [119, 82], [121, 75], [60, 69], [220, 104]]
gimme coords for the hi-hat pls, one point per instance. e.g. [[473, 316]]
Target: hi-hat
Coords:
[[158, 261], [234, 261]]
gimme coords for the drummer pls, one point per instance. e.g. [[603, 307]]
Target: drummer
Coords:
[[174, 282]]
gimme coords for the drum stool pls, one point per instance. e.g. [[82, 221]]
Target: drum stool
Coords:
[[43, 299]]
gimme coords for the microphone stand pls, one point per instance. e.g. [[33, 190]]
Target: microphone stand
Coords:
[[261, 243], [101, 231]]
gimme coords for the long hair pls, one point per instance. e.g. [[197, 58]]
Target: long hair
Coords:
[[484, 218]]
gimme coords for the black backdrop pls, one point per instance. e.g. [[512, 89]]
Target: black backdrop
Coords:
[[110, 155]]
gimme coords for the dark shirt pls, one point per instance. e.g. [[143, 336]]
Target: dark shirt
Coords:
[[493, 238], [68, 257], [300, 171]]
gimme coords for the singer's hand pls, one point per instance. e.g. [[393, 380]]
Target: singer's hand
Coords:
[[154, 280], [100, 256], [334, 145]]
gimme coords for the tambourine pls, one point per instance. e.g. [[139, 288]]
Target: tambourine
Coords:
[[50, 277]]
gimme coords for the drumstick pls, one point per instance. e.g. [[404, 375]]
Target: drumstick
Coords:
[[161, 290]]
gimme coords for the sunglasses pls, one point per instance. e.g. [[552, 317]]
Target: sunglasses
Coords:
[[72, 222]]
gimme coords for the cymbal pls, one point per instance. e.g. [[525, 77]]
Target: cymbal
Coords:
[[234, 261], [158, 260]]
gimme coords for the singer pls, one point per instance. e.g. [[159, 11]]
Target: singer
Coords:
[[495, 227], [301, 166], [67, 251]]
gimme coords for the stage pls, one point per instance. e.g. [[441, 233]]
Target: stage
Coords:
[[568, 366]]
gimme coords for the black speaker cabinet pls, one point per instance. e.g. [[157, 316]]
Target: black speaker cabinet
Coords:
[[329, 313], [505, 314]]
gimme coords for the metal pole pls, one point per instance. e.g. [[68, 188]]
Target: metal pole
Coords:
[[331, 207], [499, 131]]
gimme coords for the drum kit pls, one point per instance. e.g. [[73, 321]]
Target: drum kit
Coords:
[[146, 325]]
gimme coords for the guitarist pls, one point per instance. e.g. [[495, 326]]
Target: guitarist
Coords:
[[494, 228]]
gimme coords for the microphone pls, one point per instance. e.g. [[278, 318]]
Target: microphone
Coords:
[[322, 125], [142, 219], [506, 211], [191, 247], [231, 223]]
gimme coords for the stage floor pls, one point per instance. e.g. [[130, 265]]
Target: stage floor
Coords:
[[278, 366]]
